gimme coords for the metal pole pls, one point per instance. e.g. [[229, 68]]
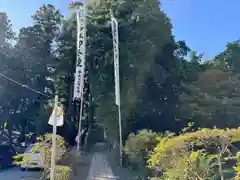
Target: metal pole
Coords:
[[53, 157], [120, 135]]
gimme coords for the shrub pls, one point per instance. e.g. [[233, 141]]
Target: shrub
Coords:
[[172, 157], [44, 145], [61, 172], [237, 167], [137, 148]]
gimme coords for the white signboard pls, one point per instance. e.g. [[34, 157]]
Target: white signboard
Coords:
[[81, 54], [59, 116]]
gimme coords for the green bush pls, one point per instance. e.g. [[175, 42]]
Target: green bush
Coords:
[[203, 154], [137, 149], [62, 172], [44, 146]]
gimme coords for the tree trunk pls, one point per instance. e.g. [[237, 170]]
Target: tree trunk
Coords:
[[40, 117], [9, 128], [220, 167]]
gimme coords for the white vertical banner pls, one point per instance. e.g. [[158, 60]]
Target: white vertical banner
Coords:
[[114, 24], [81, 53]]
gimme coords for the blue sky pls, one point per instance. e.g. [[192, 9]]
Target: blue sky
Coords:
[[206, 25]]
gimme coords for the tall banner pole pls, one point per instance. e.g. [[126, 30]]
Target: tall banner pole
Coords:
[[80, 64], [53, 156], [115, 37]]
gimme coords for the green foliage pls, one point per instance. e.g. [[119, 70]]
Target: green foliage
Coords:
[[137, 148], [136, 67], [212, 99], [29, 62], [198, 165], [75, 5], [201, 153], [237, 167], [62, 172], [44, 146]]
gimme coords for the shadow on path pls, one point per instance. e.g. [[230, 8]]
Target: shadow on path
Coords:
[[100, 168], [97, 165]]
